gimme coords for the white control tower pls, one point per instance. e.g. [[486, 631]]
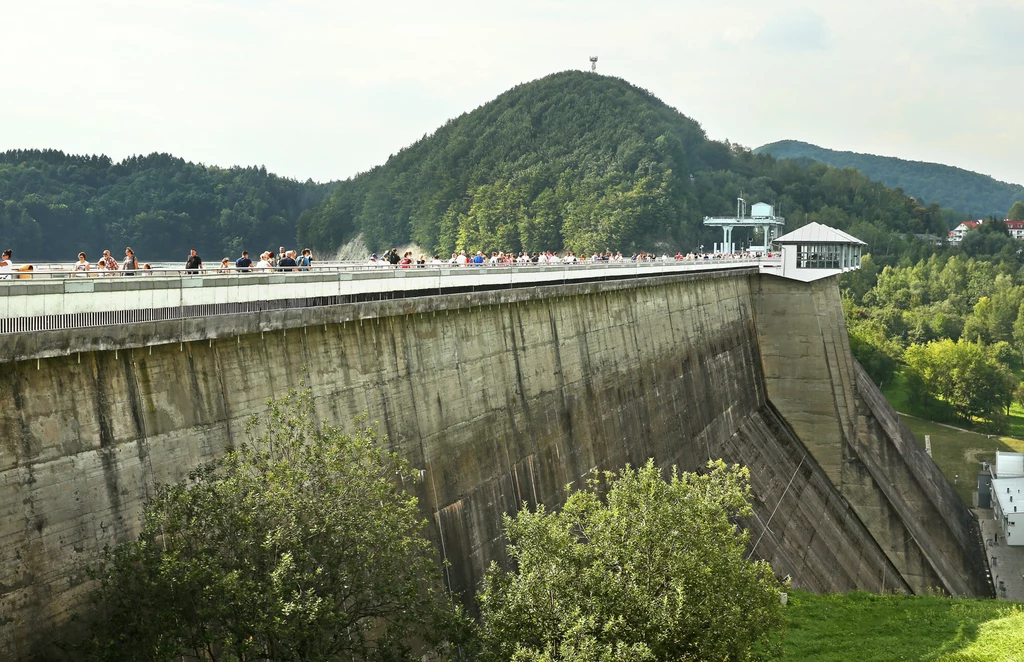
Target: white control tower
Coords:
[[762, 217]]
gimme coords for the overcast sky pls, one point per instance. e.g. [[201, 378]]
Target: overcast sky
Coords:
[[326, 89]]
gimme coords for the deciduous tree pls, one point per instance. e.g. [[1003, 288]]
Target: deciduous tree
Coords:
[[655, 569], [298, 545]]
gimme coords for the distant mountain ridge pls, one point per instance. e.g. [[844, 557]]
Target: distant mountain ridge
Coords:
[[963, 190]]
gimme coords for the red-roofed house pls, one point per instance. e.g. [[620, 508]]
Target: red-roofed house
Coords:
[[1016, 229], [957, 233]]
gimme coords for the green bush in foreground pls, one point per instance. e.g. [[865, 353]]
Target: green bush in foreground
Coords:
[[298, 545], [654, 570]]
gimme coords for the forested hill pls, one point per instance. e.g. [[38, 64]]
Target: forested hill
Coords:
[[967, 192], [53, 205], [587, 162]]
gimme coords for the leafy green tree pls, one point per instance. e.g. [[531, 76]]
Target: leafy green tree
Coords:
[[655, 570], [1018, 330], [1016, 212], [1018, 394], [877, 354], [965, 375], [298, 544]]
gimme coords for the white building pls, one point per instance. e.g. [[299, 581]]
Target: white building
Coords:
[[956, 235], [1008, 490], [817, 251], [1016, 229]]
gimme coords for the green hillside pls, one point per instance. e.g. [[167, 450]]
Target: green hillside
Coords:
[[572, 161], [587, 162], [53, 205], [967, 192]]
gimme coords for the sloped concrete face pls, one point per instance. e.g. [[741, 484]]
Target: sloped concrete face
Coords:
[[503, 398], [911, 510]]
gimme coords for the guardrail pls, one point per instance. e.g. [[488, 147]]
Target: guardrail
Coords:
[[57, 300]]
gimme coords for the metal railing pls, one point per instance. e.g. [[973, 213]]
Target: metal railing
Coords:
[[67, 270], [59, 300]]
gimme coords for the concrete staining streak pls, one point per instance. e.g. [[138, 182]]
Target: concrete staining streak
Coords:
[[503, 398]]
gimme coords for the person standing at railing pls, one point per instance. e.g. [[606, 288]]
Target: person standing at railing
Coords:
[[305, 261], [82, 264], [194, 263], [108, 264], [244, 263], [265, 264], [131, 264], [6, 265], [287, 262], [225, 266]]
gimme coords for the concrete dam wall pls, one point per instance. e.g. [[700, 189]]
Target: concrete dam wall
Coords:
[[502, 398]]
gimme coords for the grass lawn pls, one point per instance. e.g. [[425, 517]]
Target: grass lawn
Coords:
[[885, 628], [957, 452], [961, 453]]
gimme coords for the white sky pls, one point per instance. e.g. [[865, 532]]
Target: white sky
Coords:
[[327, 89]]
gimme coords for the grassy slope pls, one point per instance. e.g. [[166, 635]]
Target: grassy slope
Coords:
[[887, 628], [958, 452]]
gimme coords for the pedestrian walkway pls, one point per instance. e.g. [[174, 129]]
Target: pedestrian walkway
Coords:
[[1006, 563]]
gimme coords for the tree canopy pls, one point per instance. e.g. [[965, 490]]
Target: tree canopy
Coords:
[[53, 205], [955, 321], [298, 545], [962, 190], [655, 569]]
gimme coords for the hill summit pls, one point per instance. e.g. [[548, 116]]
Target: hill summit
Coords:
[[583, 162], [963, 190]]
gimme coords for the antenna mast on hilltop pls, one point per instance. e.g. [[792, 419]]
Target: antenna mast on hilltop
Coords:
[[593, 64]]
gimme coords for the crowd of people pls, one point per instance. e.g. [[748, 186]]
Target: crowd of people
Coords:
[[282, 260], [500, 258], [291, 260]]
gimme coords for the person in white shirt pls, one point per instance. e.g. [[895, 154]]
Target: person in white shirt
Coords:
[[435, 261], [82, 264], [6, 265], [462, 260], [265, 264], [553, 258]]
